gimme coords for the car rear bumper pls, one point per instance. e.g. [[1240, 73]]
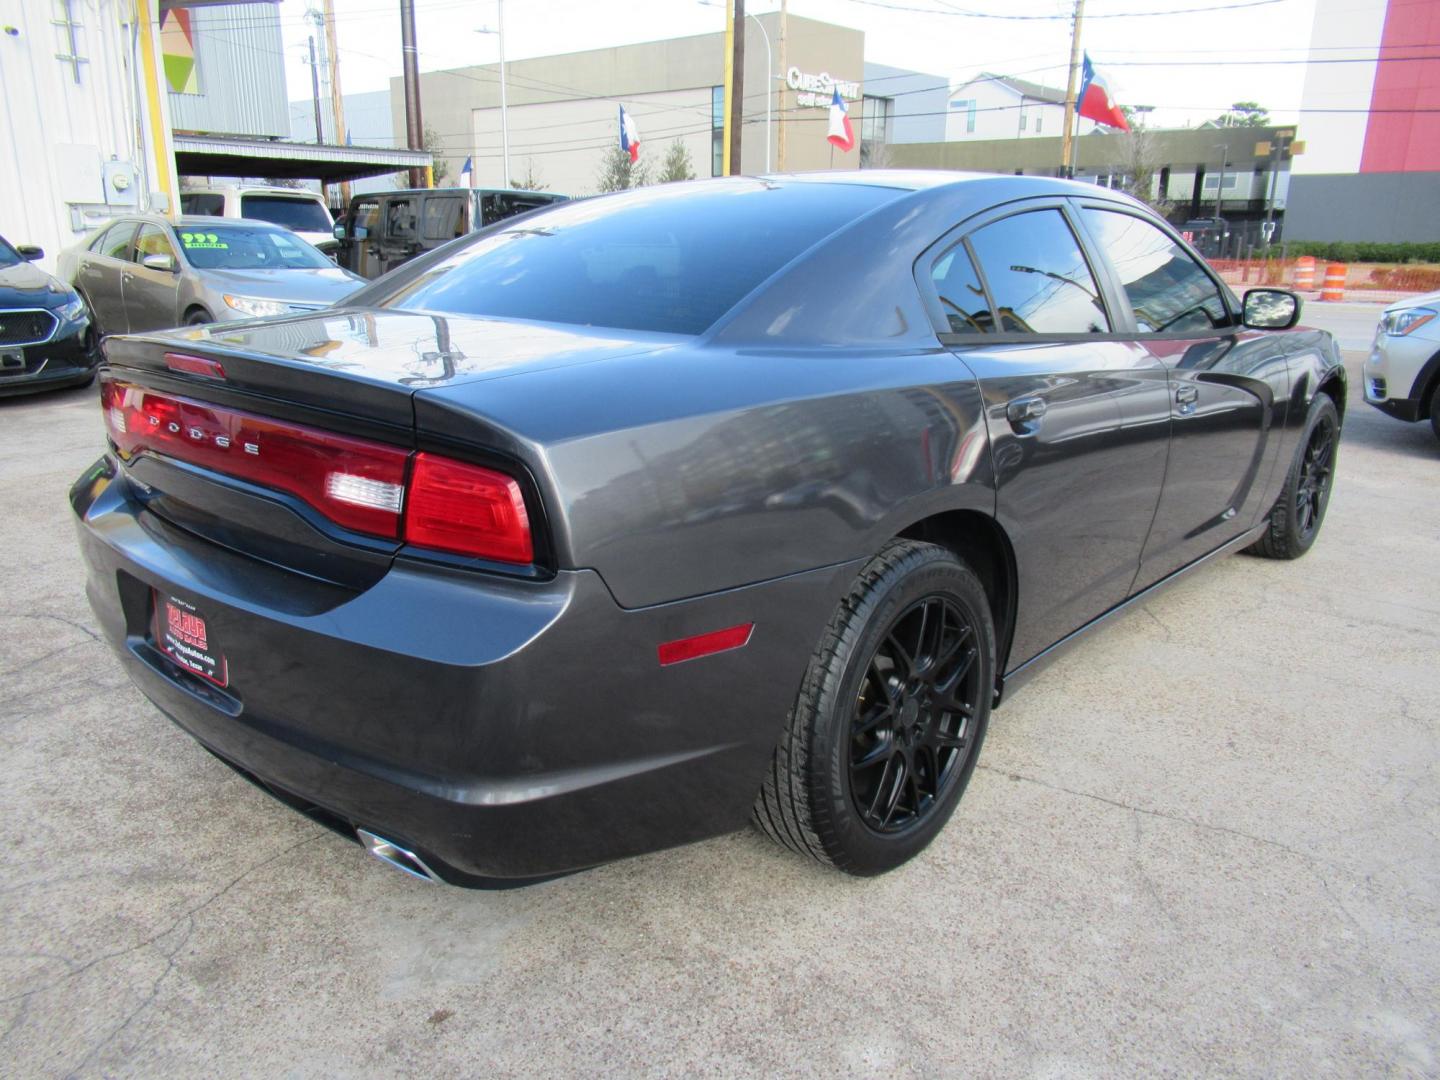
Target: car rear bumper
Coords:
[[501, 730], [64, 361]]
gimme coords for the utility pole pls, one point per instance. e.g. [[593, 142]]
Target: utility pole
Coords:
[[337, 101], [784, 11], [737, 85], [410, 57], [1277, 158], [315, 91], [1067, 143]]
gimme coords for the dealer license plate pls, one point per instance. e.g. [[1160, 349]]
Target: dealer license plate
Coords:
[[182, 634]]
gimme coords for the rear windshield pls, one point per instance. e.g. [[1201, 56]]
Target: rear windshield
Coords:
[[669, 258], [302, 215], [238, 247]]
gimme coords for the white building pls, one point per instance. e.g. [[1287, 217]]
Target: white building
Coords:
[[1003, 107], [69, 153]]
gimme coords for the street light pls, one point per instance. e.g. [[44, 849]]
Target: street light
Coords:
[[504, 117], [770, 75]]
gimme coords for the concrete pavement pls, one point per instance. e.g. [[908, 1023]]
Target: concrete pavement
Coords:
[[1204, 842]]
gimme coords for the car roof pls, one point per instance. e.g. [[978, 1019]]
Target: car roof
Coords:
[[251, 189]]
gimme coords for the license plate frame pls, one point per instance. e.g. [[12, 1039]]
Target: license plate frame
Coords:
[[182, 634]]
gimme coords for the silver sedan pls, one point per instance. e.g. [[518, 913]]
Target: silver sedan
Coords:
[[150, 273]]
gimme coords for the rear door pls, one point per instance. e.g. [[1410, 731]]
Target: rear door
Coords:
[[399, 231], [1225, 386], [151, 296], [99, 272], [1077, 414]]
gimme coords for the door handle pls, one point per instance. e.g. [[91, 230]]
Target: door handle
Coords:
[[1187, 395], [1024, 413]]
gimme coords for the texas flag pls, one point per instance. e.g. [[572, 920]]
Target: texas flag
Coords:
[[1095, 102], [629, 135], [465, 173], [841, 133]]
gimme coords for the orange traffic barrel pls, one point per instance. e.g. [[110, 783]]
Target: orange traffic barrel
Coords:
[[1305, 272], [1334, 287]]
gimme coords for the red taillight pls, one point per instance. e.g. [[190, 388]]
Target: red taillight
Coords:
[[357, 484], [467, 510], [446, 505]]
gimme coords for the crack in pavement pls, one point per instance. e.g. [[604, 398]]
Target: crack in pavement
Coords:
[[189, 913]]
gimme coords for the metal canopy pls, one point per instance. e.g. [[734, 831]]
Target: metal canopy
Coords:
[[213, 155]]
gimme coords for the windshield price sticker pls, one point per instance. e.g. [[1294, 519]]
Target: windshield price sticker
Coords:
[[202, 241]]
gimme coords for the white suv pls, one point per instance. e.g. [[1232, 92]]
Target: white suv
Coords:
[[301, 211], [1402, 373]]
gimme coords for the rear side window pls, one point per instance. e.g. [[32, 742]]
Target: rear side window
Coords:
[[962, 297], [203, 202], [400, 219], [444, 217], [671, 258], [1038, 277], [1166, 288], [116, 244], [300, 214]]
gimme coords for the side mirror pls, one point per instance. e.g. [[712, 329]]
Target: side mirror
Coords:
[[338, 231], [159, 262], [29, 252], [1271, 309]]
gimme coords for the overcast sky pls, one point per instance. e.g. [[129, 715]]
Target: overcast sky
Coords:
[[1188, 66]]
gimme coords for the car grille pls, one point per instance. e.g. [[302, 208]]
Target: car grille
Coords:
[[25, 327]]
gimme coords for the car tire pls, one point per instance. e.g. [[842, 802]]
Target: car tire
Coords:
[[888, 724], [1435, 410], [1297, 515], [198, 317]]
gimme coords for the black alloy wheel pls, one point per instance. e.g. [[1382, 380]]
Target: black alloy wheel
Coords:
[[1298, 513], [914, 716], [887, 727], [1317, 472]]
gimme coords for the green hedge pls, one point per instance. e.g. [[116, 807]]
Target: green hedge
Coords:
[[1340, 251]]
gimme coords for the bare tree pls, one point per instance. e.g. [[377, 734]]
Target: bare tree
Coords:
[[1140, 157], [532, 181]]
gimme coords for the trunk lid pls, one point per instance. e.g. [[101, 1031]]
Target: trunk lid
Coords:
[[344, 373]]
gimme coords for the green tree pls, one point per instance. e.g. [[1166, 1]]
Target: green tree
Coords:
[[677, 164], [1244, 114], [618, 172], [432, 141]]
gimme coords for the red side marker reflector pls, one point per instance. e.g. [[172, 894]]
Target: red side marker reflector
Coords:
[[194, 365], [732, 637]]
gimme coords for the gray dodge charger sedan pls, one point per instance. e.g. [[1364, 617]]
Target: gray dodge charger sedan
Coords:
[[615, 525], [149, 273]]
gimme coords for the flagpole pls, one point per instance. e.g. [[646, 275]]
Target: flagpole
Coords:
[[1067, 147]]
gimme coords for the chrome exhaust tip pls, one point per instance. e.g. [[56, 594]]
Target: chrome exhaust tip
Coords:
[[402, 859]]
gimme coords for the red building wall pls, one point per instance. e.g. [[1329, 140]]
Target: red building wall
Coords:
[[1402, 136]]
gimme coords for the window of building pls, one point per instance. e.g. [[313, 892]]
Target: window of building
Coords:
[[1166, 288], [967, 106], [1023, 119], [1039, 121], [874, 130], [717, 130], [1038, 276]]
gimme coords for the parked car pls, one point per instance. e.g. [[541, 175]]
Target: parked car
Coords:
[[300, 210], [149, 273], [608, 529], [387, 229], [1402, 372], [45, 336]]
